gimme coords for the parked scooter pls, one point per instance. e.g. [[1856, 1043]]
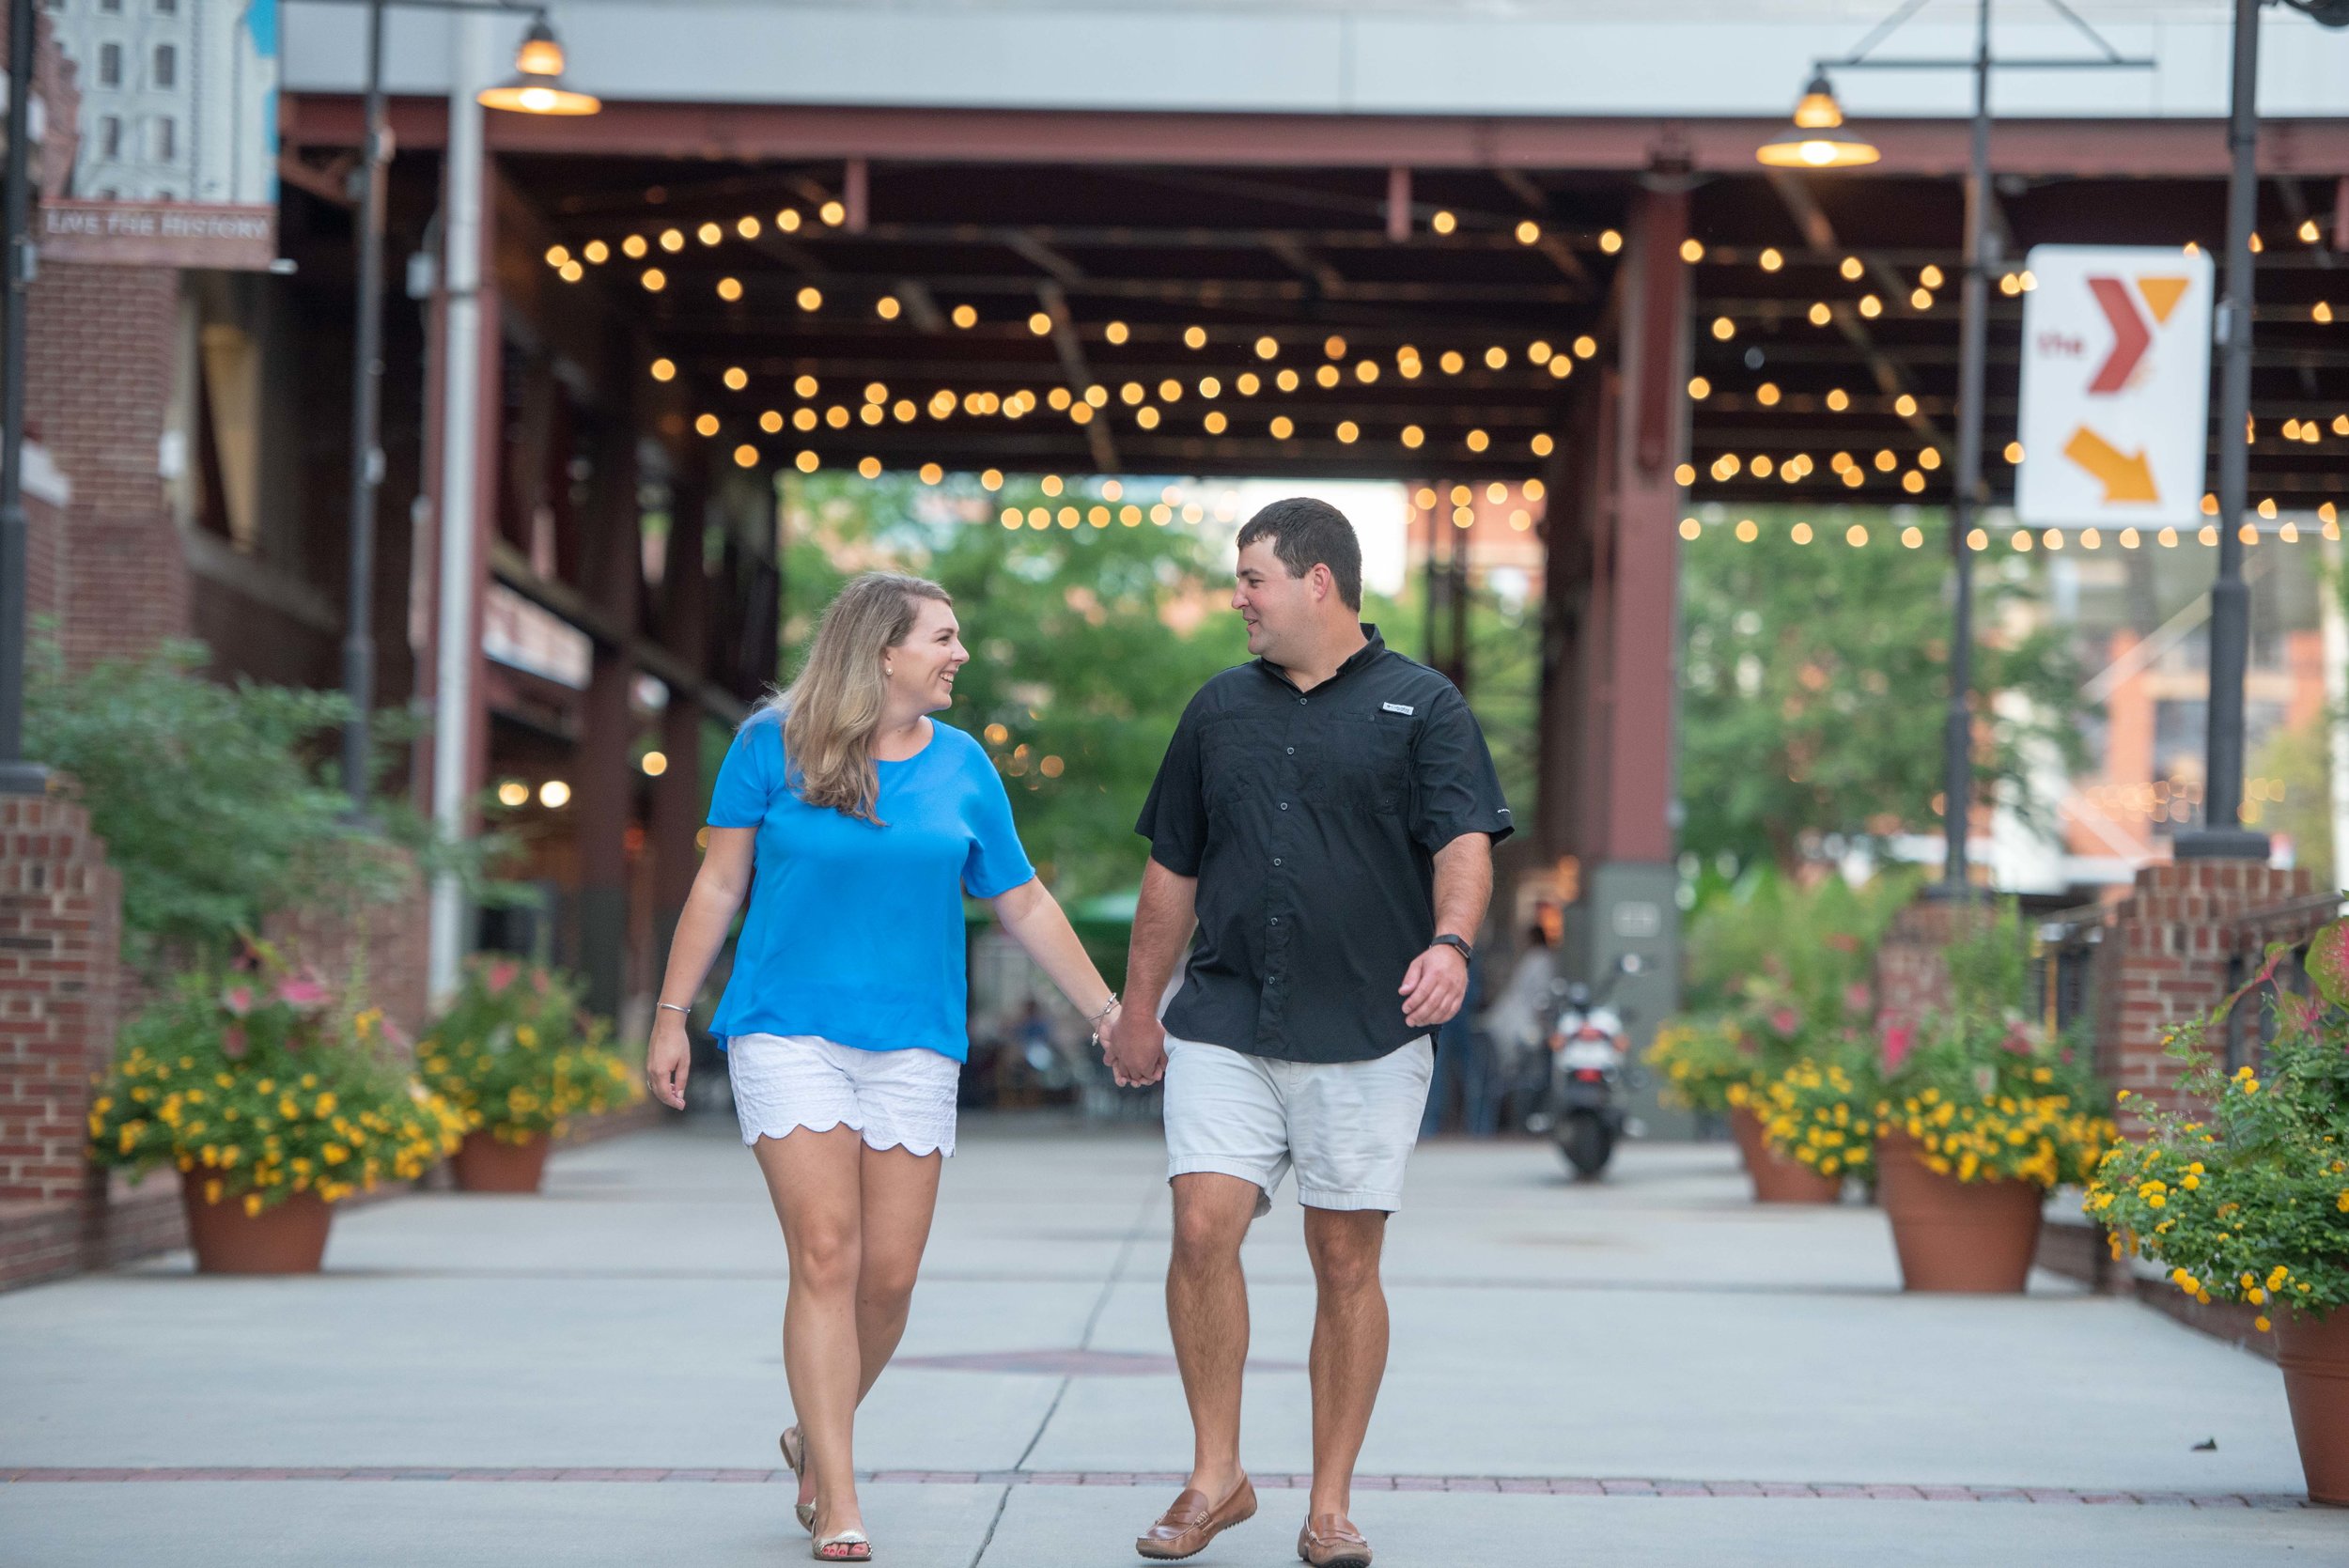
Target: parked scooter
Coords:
[[1586, 1111]]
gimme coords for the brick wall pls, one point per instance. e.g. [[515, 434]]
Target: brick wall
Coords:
[[382, 943], [61, 946], [2164, 959], [99, 367]]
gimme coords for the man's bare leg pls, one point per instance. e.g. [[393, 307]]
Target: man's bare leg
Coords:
[[1349, 1353], [1207, 1310]]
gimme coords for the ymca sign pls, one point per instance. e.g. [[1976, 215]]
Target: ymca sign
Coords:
[[2116, 387]]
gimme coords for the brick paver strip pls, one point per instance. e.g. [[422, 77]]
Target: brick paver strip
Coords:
[[1577, 1486]]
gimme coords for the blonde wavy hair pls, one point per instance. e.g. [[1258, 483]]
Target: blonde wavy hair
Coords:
[[830, 712]]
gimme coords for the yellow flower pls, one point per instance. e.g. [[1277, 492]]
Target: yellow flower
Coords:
[[252, 1203], [2261, 1324], [2255, 1296], [326, 1102]]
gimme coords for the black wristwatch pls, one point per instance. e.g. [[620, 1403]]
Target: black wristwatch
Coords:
[[1468, 954]]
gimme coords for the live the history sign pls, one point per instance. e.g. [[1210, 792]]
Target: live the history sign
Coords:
[[159, 234], [2116, 387]]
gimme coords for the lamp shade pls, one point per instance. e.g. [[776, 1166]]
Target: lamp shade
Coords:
[[536, 87], [1831, 149]]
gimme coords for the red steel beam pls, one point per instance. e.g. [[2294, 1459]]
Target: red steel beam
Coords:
[[2089, 147]]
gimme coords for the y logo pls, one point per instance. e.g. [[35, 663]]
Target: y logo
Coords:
[[2126, 476]]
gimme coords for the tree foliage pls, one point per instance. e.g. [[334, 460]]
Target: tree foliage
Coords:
[[1086, 644], [216, 802], [1812, 690]]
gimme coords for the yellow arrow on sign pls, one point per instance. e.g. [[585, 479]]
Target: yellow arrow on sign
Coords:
[[2126, 477]]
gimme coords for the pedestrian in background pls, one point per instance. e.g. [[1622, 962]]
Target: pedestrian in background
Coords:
[[856, 823], [1325, 816], [1517, 1024]]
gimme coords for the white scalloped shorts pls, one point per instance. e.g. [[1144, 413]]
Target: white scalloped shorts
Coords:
[[896, 1098]]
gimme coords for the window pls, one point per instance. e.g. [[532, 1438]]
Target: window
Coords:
[[166, 65], [110, 65], [166, 140], [110, 138], [112, 7], [166, 7]]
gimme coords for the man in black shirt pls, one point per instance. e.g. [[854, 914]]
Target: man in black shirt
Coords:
[[1325, 816]]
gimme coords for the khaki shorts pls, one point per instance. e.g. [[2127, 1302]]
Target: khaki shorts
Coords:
[[1347, 1127]]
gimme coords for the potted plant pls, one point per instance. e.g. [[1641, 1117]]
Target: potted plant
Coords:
[[2245, 1197], [519, 1058], [273, 1103], [1817, 1119], [1983, 1114], [1712, 1064]]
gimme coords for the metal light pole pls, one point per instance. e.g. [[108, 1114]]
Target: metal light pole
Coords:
[[17, 776], [366, 447], [2222, 836], [1957, 740], [1822, 141]]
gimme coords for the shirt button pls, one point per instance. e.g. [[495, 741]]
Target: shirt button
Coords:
[[1276, 920], [1276, 859], [1292, 751], [1303, 701], [1285, 805]]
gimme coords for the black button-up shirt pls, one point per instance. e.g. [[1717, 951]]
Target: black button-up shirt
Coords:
[[1311, 820]]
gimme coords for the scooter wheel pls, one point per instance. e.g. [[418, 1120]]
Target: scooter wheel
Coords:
[[1586, 1144]]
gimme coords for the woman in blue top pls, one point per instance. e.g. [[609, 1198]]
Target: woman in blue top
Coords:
[[856, 823]]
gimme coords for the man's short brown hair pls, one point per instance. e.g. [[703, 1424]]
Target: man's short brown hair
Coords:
[[1306, 534]]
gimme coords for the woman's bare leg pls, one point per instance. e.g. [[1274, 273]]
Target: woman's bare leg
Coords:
[[817, 1182]]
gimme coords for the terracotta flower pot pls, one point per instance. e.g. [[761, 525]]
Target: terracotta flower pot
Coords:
[[483, 1164], [289, 1238], [2314, 1354], [1776, 1178], [1976, 1237]]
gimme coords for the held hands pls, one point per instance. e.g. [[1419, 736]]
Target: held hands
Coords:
[[1134, 1045], [1434, 987], [667, 1059]]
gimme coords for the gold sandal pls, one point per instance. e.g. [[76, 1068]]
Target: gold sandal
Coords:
[[794, 1455]]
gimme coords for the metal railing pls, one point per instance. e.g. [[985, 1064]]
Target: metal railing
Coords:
[[2063, 966], [2252, 1023]]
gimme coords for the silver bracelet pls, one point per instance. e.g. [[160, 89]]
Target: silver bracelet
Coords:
[[674, 1007], [1106, 1008]]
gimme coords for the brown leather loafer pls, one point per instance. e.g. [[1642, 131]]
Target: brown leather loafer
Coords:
[[1185, 1529], [1330, 1541]]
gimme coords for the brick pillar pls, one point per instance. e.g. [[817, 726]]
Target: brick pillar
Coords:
[[60, 958], [604, 791], [678, 794], [100, 358], [2164, 959], [1912, 973]]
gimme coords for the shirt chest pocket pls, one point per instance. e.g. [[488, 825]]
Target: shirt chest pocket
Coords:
[[1366, 763], [1237, 754]]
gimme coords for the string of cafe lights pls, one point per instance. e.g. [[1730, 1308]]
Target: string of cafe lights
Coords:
[[1147, 414], [1149, 406], [2021, 539]]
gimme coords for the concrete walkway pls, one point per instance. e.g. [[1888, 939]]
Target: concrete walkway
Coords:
[[1651, 1370]]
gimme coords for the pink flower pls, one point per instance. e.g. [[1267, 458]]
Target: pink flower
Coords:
[[1856, 997], [1784, 1020], [301, 991], [237, 1000], [232, 1042], [538, 981], [499, 975], [1897, 1041]]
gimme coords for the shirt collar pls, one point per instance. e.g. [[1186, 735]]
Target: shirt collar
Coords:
[[1373, 647]]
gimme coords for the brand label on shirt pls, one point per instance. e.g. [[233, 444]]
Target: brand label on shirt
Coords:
[[1404, 708]]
